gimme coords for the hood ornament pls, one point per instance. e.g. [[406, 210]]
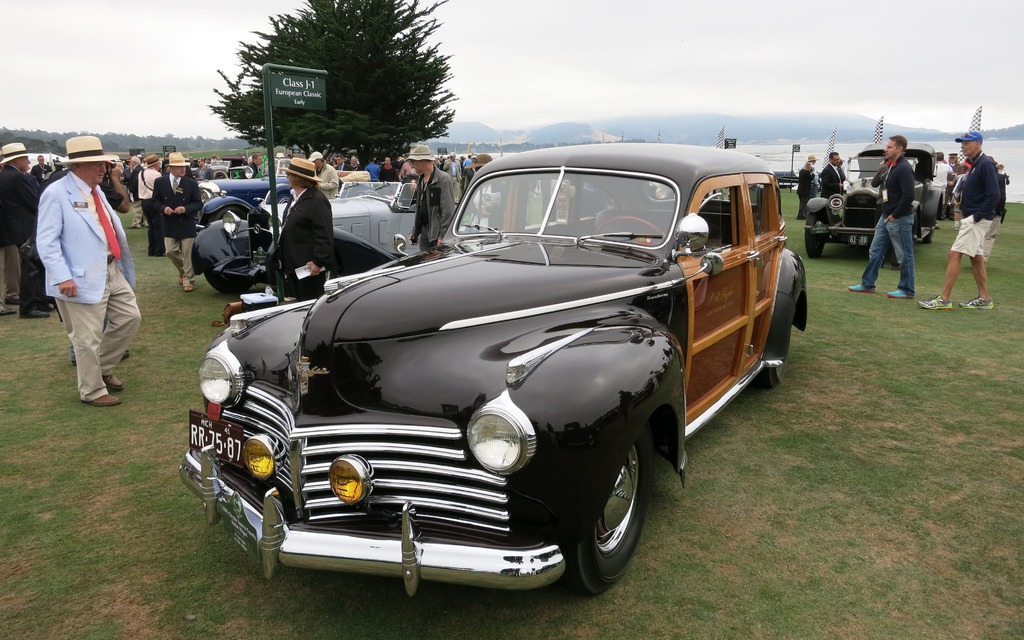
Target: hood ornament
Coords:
[[304, 372]]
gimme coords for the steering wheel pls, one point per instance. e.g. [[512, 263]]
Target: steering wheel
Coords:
[[646, 223]]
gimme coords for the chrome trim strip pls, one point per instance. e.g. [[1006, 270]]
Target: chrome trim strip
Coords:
[[378, 447], [497, 497], [551, 308], [474, 475], [477, 566], [447, 505], [714, 409], [377, 429]]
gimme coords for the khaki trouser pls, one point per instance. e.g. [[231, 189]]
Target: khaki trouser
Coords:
[[10, 272], [97, 352], [990, 236], [179, 250], [138, 218]]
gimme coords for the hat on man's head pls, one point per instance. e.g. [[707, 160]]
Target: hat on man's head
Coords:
[[480, 160], [316, 155], [420, 152], [151, 159], [302, 168], [12, 151], [971, 136], [175, 159], [87, 149]]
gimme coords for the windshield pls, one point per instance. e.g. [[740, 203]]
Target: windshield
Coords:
[[572, 204]]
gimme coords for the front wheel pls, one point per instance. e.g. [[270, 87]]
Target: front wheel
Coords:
[[227, 285], [815, 243], [600, 559]]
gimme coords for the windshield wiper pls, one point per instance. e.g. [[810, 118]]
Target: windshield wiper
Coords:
[[628, 236], [485, 228]]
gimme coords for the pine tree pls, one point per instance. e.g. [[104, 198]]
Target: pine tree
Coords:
[[385, 82]]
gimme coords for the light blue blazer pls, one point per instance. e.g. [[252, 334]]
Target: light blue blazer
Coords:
[[72, 244]]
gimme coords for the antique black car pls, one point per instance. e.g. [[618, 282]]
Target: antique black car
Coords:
[[371, 222], [488, 413], [850, 218]]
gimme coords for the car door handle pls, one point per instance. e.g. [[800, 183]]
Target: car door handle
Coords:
[[755, 257]]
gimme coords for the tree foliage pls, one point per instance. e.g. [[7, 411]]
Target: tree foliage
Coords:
[[385, 82]]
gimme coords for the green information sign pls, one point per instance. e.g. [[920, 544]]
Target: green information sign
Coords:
[[298, 91]]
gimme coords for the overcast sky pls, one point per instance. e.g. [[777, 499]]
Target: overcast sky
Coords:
[[524, 63]]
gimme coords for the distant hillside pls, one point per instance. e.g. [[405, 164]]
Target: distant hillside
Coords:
[[698, 129], [38, 141]]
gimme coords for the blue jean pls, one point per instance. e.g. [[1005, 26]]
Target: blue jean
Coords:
[[898, 234]]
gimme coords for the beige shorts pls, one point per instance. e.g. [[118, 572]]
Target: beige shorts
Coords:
[[970, 241]]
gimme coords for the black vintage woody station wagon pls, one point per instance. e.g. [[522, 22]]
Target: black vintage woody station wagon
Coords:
[[488, 413]]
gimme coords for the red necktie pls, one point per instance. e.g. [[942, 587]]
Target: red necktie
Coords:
[[101, 213]]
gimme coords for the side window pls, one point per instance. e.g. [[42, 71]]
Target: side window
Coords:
[[717, 209], [757, 208]]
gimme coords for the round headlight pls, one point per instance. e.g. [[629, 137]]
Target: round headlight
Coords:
[[501, 436], [220, 376], [215, 381], [230, 221], [351, 478], [258, 455]]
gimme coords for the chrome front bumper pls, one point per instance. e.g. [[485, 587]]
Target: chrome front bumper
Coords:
[[262, 530]]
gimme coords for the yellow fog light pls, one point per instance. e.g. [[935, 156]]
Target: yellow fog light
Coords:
[[351, 479], [258, 454]]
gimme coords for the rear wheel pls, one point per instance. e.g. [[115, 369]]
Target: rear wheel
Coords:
[[771, 377], [598, 561]]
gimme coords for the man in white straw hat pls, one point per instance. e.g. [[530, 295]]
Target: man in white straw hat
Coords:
[[89, 269], [176, 197]]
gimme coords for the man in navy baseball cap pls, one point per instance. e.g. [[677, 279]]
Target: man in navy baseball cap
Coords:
[[971, 136], [979, 198]]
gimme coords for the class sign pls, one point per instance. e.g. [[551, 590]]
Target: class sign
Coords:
[[298, 91]]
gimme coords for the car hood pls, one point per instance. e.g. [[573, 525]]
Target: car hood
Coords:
[[450, 288]]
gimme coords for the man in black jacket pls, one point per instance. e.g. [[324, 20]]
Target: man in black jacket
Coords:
[[176, 196], [895, 224], [19, 193], [832, 176]]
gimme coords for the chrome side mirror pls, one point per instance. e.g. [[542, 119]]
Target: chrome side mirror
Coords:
[[692, 233]]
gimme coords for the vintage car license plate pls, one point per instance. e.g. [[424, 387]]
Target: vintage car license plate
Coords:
[[225, 437]]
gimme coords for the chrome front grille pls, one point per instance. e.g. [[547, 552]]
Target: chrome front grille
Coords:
[[262, 413], [425, 466]]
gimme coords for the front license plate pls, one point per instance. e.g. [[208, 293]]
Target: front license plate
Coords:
[[225, 437]]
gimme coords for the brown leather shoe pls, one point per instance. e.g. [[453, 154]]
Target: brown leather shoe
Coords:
[[113, 382], [105, 400]]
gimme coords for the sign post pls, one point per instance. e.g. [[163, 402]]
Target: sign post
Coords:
[[296, 88], [796, 150], [730, 143]]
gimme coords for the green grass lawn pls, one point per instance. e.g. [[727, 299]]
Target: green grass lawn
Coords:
[[875, 494]]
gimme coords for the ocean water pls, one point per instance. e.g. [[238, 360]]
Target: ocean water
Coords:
[[1008, 152]]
